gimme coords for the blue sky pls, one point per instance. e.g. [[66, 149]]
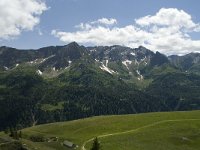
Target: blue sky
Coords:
[[61, 16]]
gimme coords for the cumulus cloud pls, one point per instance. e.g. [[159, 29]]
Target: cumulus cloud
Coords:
[[19, 15], [169, 17], [168, 31]]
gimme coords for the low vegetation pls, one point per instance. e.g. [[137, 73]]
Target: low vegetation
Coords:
[[174, 131]]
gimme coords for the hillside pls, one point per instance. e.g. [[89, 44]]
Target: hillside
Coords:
[[60, 83], [171, 130]]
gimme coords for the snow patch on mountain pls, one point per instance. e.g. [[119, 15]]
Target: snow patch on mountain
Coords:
[[106, 63], [136, 62], [45, 59], [69, 62], [33, 61], [93, 50], [39, 72], [6, 68], [126, 63], [132, 53], [140, 76], [105, 68]]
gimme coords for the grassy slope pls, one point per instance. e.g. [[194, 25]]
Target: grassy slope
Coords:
[[147, 132], [167, 136]]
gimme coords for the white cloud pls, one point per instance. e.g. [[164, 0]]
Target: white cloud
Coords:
[[84, 26], [168, 31], [105, 21], [19, 15], [169, 17], [102, 22]]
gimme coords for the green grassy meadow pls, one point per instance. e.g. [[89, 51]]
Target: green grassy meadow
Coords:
[[149, 131]]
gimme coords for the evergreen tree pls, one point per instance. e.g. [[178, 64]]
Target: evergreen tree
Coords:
[[20, 134], [11, 132], [96, 145]]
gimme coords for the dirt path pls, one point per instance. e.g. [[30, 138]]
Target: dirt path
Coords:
[[134, 130]]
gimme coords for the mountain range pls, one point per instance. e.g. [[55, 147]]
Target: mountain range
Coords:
[[68, 82]]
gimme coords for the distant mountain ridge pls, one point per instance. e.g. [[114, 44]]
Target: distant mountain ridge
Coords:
[[73, 51], [60, 57]]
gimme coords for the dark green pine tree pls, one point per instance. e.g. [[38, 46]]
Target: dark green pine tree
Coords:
[[96, 145]]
